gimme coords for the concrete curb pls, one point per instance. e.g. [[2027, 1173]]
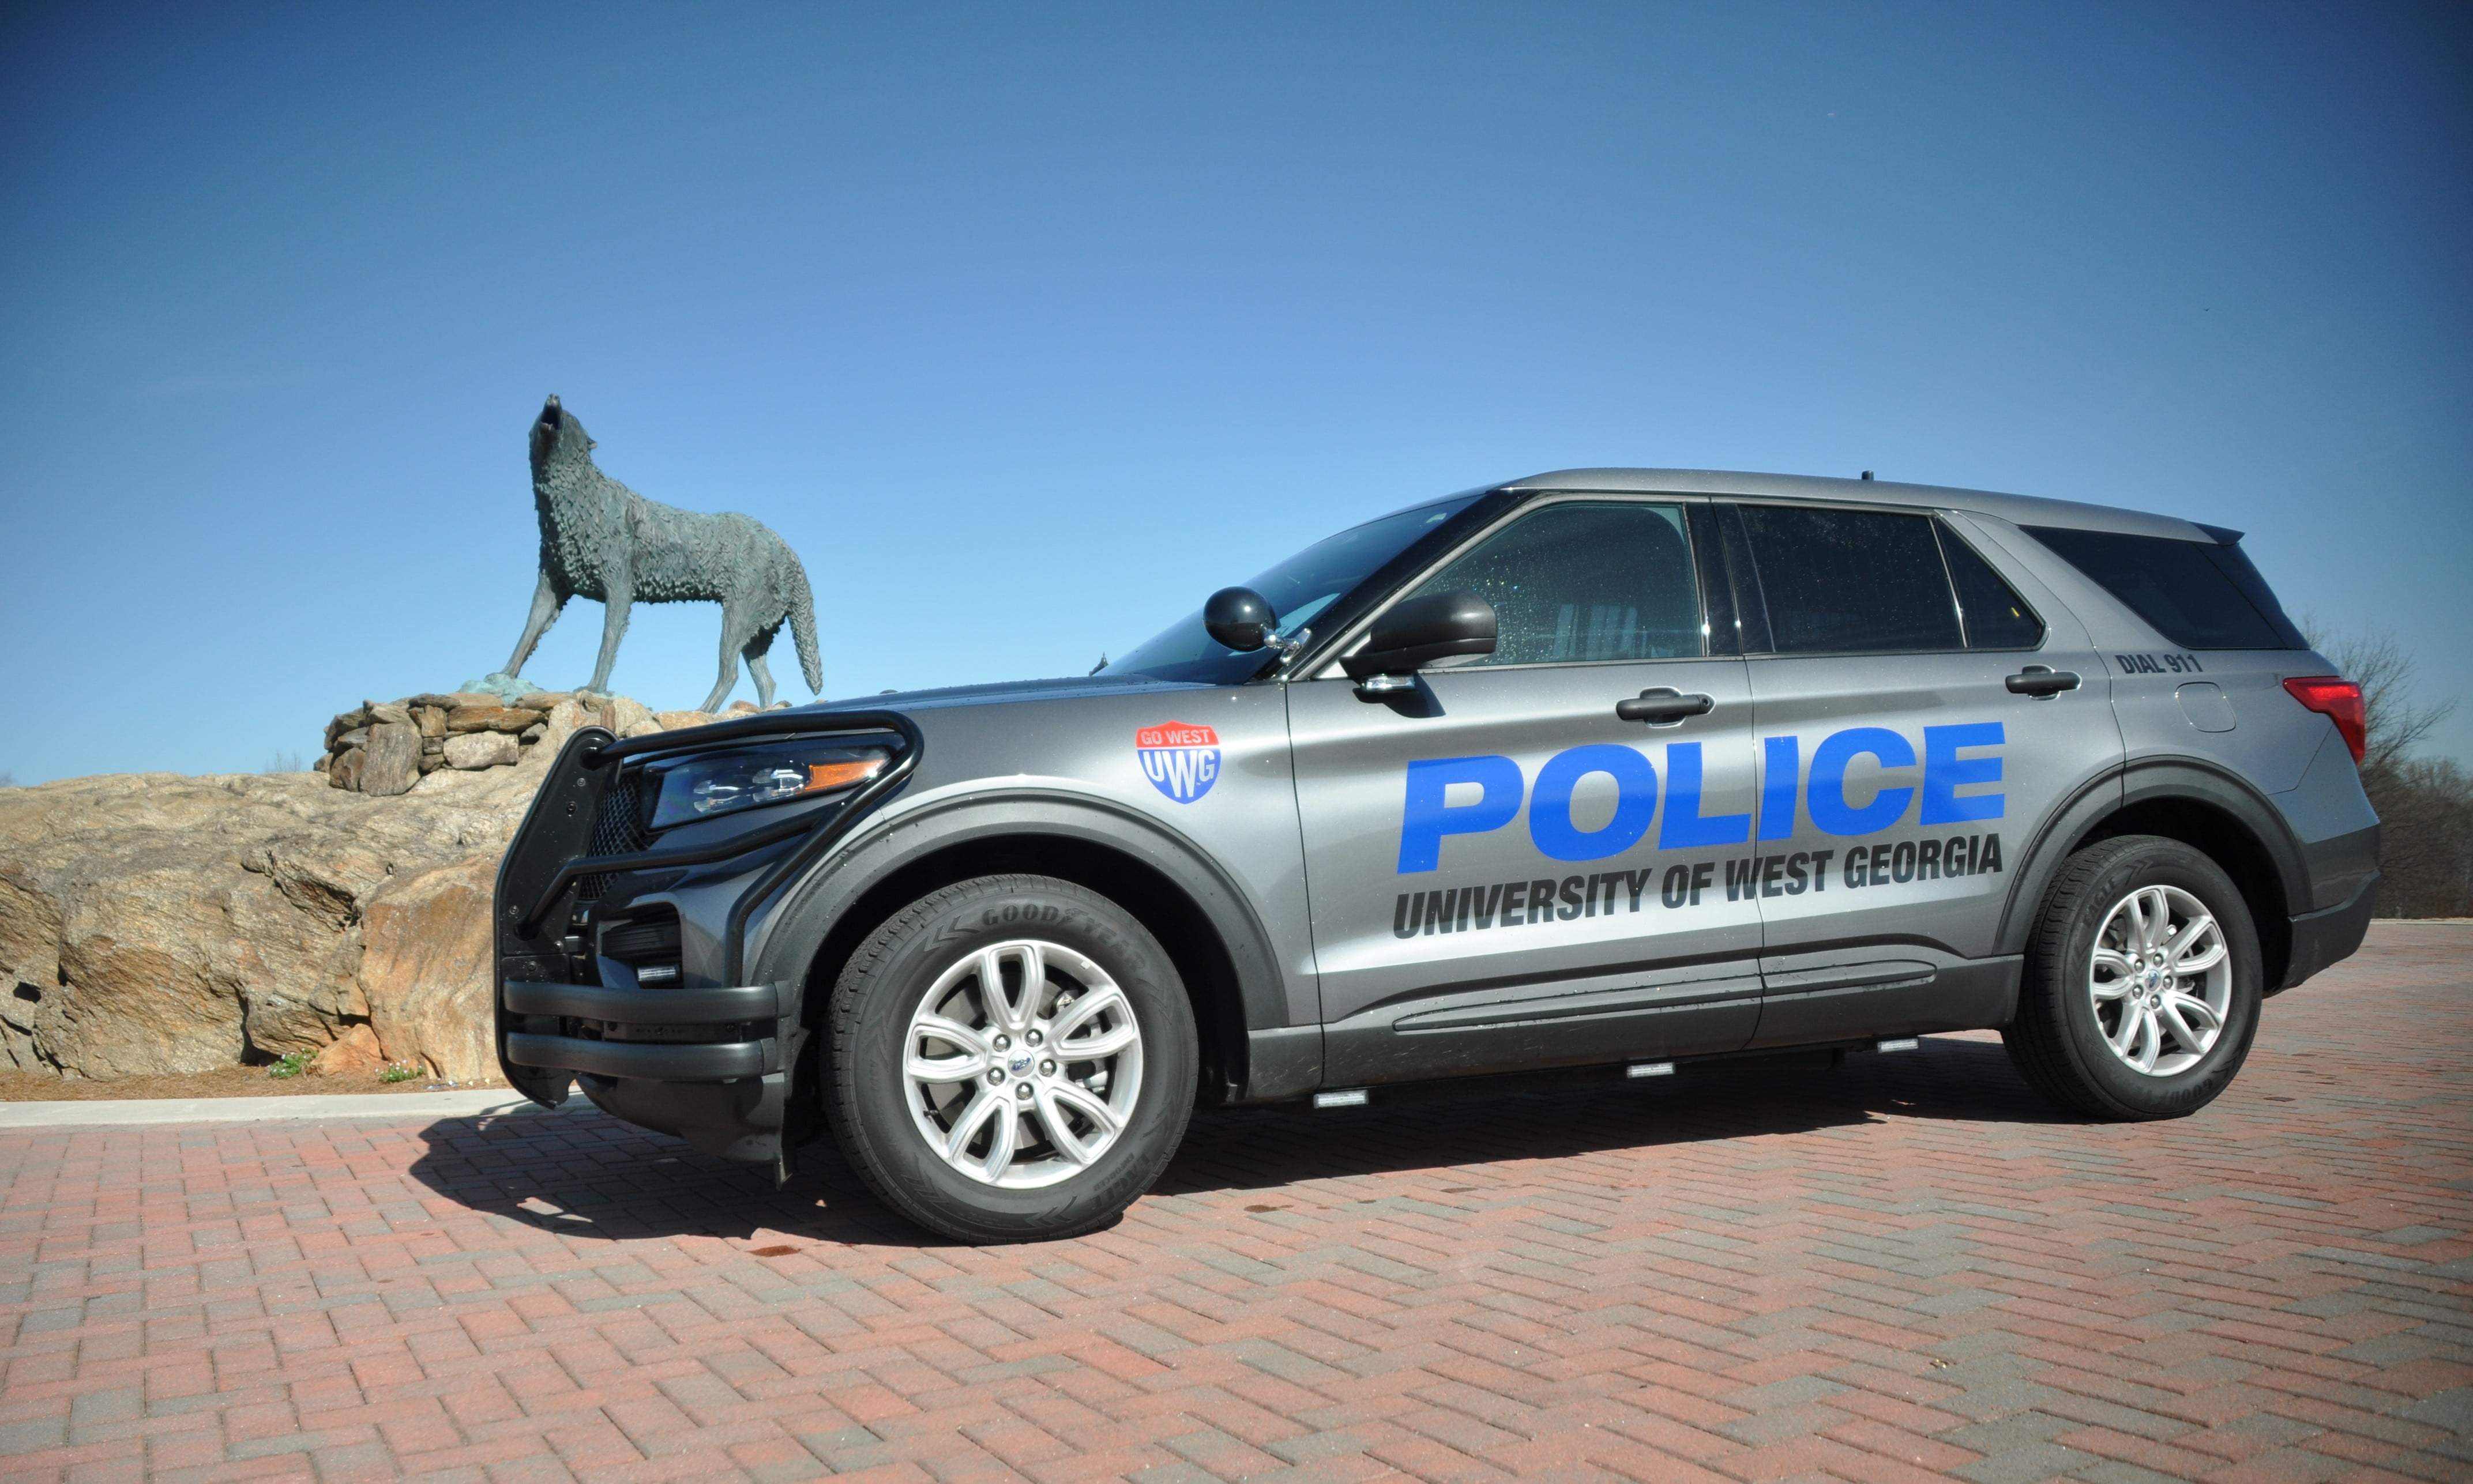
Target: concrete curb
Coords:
[[478, 1102]]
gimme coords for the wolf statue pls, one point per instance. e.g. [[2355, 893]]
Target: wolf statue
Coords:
[[602, 541]]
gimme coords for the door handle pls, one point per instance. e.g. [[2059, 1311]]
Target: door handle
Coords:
[[2042, 682], [1663, 706]]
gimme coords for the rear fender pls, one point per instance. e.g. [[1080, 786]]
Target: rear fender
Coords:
[[2183, 799]]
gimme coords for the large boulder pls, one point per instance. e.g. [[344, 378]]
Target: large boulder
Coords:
[[155, 922], [425, 968]]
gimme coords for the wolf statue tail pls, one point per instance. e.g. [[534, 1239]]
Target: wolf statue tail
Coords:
[[803, 628]]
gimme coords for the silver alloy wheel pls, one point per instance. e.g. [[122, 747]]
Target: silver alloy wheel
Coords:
[[2161, 977], [1021, 1064]]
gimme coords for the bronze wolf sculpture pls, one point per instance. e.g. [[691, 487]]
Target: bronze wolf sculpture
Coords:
[[601, 539]]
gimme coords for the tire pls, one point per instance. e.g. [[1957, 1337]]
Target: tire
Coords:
[[1102, 976], [2064, 1036]]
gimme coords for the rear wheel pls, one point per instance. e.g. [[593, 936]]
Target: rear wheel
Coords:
[[2142, 984], [1013, 1059]]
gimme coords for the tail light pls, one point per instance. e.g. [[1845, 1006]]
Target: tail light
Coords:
[[2340, 701]]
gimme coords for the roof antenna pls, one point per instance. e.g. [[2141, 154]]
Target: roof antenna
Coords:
[[1867, 473]]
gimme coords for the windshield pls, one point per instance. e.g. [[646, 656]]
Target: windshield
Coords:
[[1297, 590]]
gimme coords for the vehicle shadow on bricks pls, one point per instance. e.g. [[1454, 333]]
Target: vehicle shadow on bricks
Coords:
[[587, 1175], [584, 1174], [1566, 1114]]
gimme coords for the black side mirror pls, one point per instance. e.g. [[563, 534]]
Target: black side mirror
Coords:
[[1239, 619], [1421, 631]]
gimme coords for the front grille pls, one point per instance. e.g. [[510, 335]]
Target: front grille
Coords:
[[618, 830], [645, 938]]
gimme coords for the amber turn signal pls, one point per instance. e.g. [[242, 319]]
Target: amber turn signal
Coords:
[[822, 776]]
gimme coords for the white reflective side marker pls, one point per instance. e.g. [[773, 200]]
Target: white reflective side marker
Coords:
[[1650, 1069], [1904, 1044], [1353, 1097]]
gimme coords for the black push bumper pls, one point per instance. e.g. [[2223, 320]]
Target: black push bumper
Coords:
[[659, 1061], [2331, 935], [713, 1064]]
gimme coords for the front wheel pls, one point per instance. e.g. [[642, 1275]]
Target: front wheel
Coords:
[[2141, 984], [1013, 1059]]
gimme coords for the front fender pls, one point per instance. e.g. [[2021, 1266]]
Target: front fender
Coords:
[[790, 935]]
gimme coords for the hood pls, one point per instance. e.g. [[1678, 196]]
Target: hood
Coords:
[[998, 694]]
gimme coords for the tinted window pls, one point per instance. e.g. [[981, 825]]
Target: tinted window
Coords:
[[1298, 589], [1851, 581], [1995, 617], [2197, 595], [1584, 581]]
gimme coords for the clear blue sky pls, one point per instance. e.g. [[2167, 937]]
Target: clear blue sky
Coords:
[[1029, 325]]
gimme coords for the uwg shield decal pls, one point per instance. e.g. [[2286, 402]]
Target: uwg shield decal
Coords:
[[1181, 761]]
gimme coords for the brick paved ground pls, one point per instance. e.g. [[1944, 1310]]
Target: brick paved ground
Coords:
[[1903, 1269]]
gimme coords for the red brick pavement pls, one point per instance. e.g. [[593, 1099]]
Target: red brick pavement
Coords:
[[1903, 1269]]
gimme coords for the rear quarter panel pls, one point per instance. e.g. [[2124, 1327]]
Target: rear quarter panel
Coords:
[[2272, 738]]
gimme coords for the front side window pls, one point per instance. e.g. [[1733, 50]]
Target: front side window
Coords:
[[1851, 581], [1584, 581]]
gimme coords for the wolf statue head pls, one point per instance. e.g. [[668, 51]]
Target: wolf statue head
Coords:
[[560, 445]]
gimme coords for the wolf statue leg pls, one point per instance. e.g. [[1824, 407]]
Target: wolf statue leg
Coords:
[[614, 604], [754, 650], [547, 600], [734, 637]]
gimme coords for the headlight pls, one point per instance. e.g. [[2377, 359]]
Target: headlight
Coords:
[[716, 783]]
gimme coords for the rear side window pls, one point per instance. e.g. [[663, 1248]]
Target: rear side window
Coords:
[[2197, 595], [1851, 581], [1582, 582], [1995, 617]]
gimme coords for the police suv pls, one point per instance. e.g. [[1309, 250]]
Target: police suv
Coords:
[[1606, 768]]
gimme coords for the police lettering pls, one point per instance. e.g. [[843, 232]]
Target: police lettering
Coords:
[[1861, 781]]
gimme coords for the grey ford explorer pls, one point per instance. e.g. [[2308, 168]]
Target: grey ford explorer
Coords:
[[1613, 769]]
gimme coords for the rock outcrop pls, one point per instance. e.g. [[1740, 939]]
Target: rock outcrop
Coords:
[[156, 922], [425, 967]]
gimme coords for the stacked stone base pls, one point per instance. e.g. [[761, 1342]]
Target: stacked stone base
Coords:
[[386, 747]]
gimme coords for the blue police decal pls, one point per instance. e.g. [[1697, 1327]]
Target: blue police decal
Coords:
[[1836, 804], [1181, 761]]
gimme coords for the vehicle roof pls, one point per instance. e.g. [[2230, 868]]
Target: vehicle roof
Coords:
[[2023, 510]]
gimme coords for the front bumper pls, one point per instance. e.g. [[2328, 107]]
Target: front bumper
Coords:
[[661, 1061], [726, 1097], [711, 1063]]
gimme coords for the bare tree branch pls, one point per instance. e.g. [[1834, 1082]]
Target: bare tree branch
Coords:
[[2425, 806]]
